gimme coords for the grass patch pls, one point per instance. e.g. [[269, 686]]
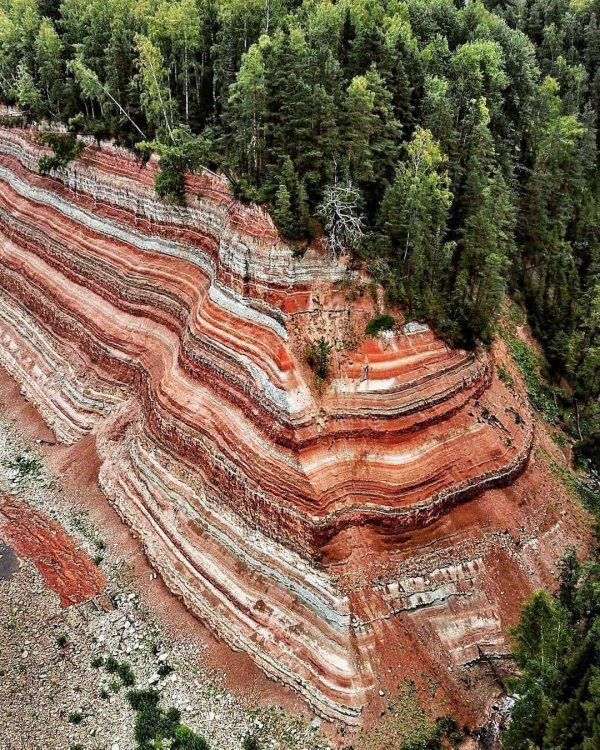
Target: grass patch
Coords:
[[540, 395], [407, 726], [560, 439], [26, 465], [378, 324], [588, 496], [505, 376]]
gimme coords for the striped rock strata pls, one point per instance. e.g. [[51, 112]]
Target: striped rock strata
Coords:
[[175, 336]]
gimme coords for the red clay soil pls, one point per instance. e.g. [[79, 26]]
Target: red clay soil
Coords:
[[66, 570]]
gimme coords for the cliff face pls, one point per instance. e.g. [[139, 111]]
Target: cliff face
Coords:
[[324, 533]]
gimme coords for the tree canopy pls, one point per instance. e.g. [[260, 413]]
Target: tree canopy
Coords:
[[452, 145]]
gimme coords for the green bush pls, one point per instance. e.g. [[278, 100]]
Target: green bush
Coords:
[[75, 717], [318, 357], [66, 146], [164, 669], [111, 665], [251, 742], [154, 725], [126, 674], [529, 366], [169, 182], [379, 323], [505, 376]]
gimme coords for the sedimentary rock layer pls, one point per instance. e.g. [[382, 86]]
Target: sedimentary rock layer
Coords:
[[176, 338]]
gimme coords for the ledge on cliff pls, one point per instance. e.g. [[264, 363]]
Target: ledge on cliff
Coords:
[[175, 337]]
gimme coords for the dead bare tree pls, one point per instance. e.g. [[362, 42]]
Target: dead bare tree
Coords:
[[340, 212]]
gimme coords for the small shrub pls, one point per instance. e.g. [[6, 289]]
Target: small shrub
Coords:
[[153, 724], [76, 747], [104, 694], [529, 366], [75, 717], [505, 376], [378, 324], [62, 640], [164, 669], [185, 739], [318, 357], [26, 465], [115, 686], [97, 662], [169, 182], [66, 146], [126, 674], [111, 665], [251, 742]]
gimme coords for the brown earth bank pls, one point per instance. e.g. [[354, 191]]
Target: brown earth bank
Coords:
[[354, 539]]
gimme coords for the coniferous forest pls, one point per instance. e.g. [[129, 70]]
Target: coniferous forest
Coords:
[[458, 140], [451, 146]]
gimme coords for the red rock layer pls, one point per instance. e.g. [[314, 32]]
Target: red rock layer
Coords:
[[176, 337], [65, 569]]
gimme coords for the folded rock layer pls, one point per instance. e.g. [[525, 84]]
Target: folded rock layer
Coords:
[[176, 336]]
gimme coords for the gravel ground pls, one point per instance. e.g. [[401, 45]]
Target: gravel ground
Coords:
[[46, 652]]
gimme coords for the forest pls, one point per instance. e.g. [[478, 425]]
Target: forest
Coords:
[[451, 147], [558, 652]]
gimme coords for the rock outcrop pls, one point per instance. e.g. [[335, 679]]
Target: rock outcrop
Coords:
[[282, 513]]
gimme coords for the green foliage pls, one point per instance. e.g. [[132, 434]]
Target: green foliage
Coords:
[[155, 726], [453, 146], [75, 717], [557, 649], [62, 640], [126, 674], [184, 153], [66, 147], [318, 358], [26, 465], [379, 323], [164, 669], [251, 743], [111, 665], [505, 375], [115, 667], [529, 366]]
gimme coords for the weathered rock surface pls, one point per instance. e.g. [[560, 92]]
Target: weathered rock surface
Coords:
[[283, 516]]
